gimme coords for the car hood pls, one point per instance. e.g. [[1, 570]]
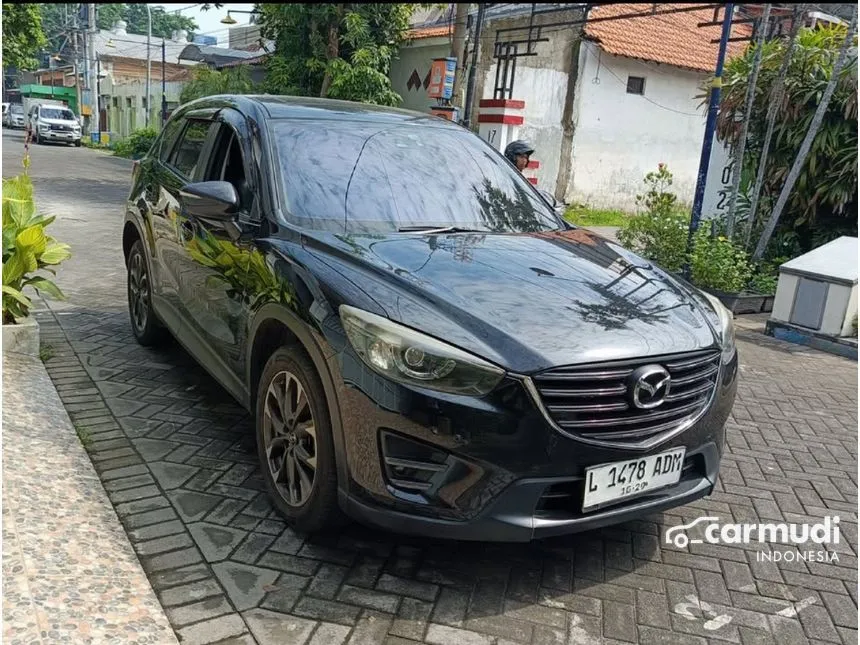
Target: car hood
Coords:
[[58, 122], [526, 301]]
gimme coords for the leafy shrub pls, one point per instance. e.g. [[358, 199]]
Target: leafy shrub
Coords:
[[717, 263], [659, 230], [26, 249], [763, 283], [137, 144], [854, 327]]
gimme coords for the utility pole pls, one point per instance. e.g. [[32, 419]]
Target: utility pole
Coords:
[[163, 82], [458, 50], [473, 69], [148, 62], [91, 63], [740, 147], [710, 127]]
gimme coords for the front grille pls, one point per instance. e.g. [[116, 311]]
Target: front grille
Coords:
[[593, 402], [61, 128]]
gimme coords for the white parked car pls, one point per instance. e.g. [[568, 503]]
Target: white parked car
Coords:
[[53, 123], [14, 116]]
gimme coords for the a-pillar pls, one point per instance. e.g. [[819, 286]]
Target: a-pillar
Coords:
[[499, 121]]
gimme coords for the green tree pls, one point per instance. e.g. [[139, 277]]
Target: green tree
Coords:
[[341, 51], [209, 82], [23, 37], [135, 16], [823, 204]]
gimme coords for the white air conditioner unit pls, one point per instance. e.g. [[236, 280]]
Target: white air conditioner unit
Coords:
[[817, 292]]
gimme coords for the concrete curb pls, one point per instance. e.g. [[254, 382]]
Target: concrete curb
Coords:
[[70, 573]]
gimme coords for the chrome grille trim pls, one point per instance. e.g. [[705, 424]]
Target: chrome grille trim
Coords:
[[611, 421]]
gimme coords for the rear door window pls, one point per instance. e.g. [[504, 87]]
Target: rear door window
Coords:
[[187, 156]]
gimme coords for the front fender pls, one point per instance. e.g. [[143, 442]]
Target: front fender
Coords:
[[313, 343]]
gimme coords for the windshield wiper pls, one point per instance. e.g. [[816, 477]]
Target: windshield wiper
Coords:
[[439, 229]]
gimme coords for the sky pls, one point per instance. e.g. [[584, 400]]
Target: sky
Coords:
[[210, 21]]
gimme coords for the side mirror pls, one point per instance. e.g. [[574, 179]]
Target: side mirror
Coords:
[[217, 201]]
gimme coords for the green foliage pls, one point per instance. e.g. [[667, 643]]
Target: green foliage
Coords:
[[46, 352], [85, 435], [718, 263], [209, 82], [23, 37], [135, 15], [243, 270], [823, 203], [659, 230], [339, 51], [854, 326], [583, 215], [27, 249], [763, 283], [137, 144]]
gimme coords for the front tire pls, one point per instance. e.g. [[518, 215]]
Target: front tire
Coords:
[[294, 442], [144, 324]]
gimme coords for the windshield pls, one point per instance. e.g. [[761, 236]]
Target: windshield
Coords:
[[57, 113], [16, 109], [372, 178]]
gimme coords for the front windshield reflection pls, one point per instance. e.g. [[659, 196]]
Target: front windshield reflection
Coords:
[[382, 177]]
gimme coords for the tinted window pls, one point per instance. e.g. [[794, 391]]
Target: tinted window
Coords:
[[168, 138], [190, 146], [356, 177], [57, 113]]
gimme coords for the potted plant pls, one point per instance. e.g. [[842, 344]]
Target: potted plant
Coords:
[[721, 268], [27, 250]]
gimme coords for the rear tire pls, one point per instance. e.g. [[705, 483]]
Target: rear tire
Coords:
[[294, 442], [145, 325]]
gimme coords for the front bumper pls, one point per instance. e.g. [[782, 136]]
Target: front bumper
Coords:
[[54, 135], [501, 457], [511, 517]]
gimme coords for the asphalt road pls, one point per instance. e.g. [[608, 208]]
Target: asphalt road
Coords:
[[176, 457]]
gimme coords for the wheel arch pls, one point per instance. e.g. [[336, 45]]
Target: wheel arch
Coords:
[[274, 327]]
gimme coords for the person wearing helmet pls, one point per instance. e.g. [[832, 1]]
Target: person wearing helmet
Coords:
[[518, 152]]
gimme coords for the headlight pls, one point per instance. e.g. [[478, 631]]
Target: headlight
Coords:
[[44, 127], [410, 357], [727, 326]]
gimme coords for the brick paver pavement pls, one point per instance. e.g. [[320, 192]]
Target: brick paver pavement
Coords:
[[176, 457]]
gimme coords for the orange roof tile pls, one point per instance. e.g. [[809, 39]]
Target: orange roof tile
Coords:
[[673, 39], [430, 32]]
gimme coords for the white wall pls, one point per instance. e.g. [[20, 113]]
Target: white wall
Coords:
[[543, 91], [122, 119], [619, 137]]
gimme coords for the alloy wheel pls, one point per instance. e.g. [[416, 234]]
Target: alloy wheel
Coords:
[[138, 284], [290, 440]]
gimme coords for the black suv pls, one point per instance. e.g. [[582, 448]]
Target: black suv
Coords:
[[424, 344]]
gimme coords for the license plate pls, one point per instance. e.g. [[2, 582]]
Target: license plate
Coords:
[[623, 479]]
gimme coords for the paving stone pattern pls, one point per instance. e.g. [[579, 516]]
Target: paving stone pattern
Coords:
[[176, 457]]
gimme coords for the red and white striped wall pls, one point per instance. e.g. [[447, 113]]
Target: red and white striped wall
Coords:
[[499, 122], [530, 172]]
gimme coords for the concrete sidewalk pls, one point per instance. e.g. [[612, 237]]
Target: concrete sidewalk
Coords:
[[70, 574]]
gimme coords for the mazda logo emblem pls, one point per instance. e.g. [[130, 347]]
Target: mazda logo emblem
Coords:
[[649, 386]]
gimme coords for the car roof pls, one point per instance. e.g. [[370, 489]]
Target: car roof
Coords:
[[302, 107]]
